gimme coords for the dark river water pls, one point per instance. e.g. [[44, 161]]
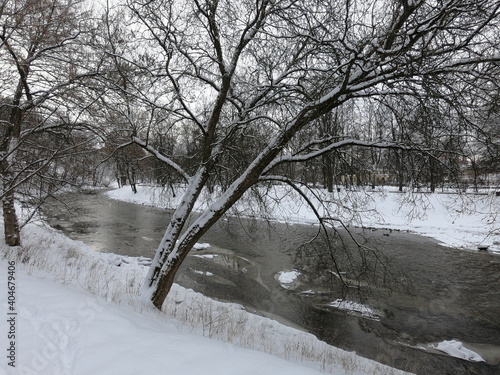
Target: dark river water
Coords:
[[423, 293]]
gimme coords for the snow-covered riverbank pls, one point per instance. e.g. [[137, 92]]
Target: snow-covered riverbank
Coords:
[[464, 221], [79, 312]]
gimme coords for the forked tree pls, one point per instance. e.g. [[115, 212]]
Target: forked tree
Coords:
[[253, 80]]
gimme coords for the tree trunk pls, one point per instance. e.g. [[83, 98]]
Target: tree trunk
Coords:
[[400, 170], [328, 172], [432, 173], [11, 224], [174, 247], [171, 253], [8, 149], [167, 277]]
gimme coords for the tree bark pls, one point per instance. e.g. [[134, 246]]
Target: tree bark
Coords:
[[11, 224], [8, 151]]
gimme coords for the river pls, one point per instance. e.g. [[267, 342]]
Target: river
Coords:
[[429, 293]]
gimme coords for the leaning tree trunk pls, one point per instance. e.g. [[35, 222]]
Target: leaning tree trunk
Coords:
[[171, 252], [175, 246], [166, 280]]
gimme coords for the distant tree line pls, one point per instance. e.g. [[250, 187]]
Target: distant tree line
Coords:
[[458, 151]]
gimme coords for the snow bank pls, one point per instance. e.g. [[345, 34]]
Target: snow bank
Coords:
[[465, 221], [98, 324], [65, 331]]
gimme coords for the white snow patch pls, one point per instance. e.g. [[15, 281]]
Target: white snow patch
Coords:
[[201, 246], [456, 349], [355, 307], [206, 256], [141, 261], [204, 273], [288, 277]]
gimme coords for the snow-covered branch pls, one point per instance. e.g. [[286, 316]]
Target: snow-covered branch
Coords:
[[161, 157]]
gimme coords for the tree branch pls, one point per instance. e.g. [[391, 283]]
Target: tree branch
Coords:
[[162, 158]]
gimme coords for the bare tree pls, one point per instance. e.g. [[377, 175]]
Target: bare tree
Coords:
[[264, 74], [42, 62]]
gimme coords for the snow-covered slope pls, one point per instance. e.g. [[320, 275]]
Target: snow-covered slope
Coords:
[[64, 330]]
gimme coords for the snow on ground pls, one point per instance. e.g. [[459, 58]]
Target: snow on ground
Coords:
[[459, 220], [63, 330], [79, 312]]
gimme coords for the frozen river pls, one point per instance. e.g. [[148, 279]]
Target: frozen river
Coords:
[[431, 293]]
